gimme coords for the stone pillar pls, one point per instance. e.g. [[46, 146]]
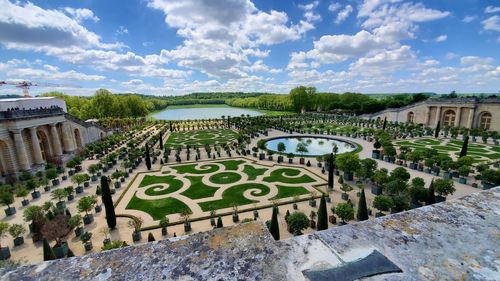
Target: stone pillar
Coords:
[[22, 156], [67, 139], [427, 115], [438, 115], [37, 151], [458, 116], [470, 120], [56, 143]]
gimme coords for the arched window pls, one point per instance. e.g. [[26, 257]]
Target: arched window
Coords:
[[411, 117], [485, 120], [449, 118]]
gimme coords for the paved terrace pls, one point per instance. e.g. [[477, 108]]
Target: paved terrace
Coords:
[[455, 240]]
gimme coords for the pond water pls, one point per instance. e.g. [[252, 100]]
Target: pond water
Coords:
[[203, 113], [315, 145]]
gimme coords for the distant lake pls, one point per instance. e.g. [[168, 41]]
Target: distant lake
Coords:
[[203, 113]]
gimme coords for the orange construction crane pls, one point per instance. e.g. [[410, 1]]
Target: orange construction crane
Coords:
[[25, 85]]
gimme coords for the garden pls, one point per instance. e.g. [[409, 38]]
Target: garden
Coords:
[[201, 138]]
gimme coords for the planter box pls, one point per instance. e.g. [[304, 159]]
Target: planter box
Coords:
[[255, 214], [280, 159], [4, 253], [312, 224], [99, 174], [117, 184], [187, 227], [71, 172], [440, 199], [236, 218], [348, 176], [290, 160], [122, 180], [136, 236], [18, 241], [64, 177], [86, 184], [106, 241], [328, 199], [295, 206], [413, 166], [436, 172], [46, 188], [55, 182], [79, 189], [71, 197], [78, 231], [262, 156], [312, 202], [376, 190], [61, 205], [35, 194], [164, 230], [270, 158], [212, 222], [375, 154], [93, 178], [447, 175], [379, 214], [98, 208], [332, 219], [487, 185], [25, 202], [88, 219], [344, 196], [302, 161], [61, 251], [462, 180], [88, 246], [112, 191]]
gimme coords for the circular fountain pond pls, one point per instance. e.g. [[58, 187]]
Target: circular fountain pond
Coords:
[[315, 146]]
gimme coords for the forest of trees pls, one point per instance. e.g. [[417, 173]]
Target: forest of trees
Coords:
[[104, 104]]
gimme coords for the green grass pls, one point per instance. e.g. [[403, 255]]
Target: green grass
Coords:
[[191, 169], [234, 196], [428, 142], [157, 209], [198, 189], [446, 148], [174, 184], [224, 178], [253, 172], [201, 138], [280, 175], [231, 165], [289, 191]]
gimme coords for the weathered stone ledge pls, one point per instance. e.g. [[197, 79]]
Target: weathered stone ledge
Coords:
[[456, 240]]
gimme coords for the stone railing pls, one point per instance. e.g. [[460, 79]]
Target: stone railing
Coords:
[[30, 113]]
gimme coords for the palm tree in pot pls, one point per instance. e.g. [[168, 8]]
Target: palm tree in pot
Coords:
[[136, 224], [75, 222]]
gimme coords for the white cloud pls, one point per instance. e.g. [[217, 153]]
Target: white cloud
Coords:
[[474, 60], [343, 14], [309, 13], [49, 73], [492, 23], [468, 19], [385, 62], [81, 14], [121, 30], [441, 38], [451, 55], [334, 7], [491, 9], [31, 27]]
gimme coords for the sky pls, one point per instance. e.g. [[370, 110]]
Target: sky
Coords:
[[175, 47]]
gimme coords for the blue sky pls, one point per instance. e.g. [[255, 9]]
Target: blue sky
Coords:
[[173, 47]]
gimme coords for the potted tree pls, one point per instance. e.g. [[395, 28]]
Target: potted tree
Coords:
[[383, 203], [236, 217], [312, 219], [33, 184], [7, 198], [4, 251], [376, 152], [136, 224], [78, 179], [51, 175], [163, 224], [290, 158], [443, 187], [116, 176], [301, 149], [281, 148], [105, 232], [56, 229], [75, 222], [345, 212], [93, 169], [345, 188], [297, 221], [59, 195], [85, 238], [348, 163], [185, 214], [34, 215], [86, 204], [17, 231], [22, 192], [464, 172], [70, 190]]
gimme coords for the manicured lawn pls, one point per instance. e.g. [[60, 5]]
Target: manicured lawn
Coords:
[[158, 209], [290, 191], [224, 178], [198, 189], [231, 164], [173, 185], [234, 196], [282, 175], [191, 169], [253, 172]]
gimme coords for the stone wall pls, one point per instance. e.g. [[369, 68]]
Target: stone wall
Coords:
[[456, 240]]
